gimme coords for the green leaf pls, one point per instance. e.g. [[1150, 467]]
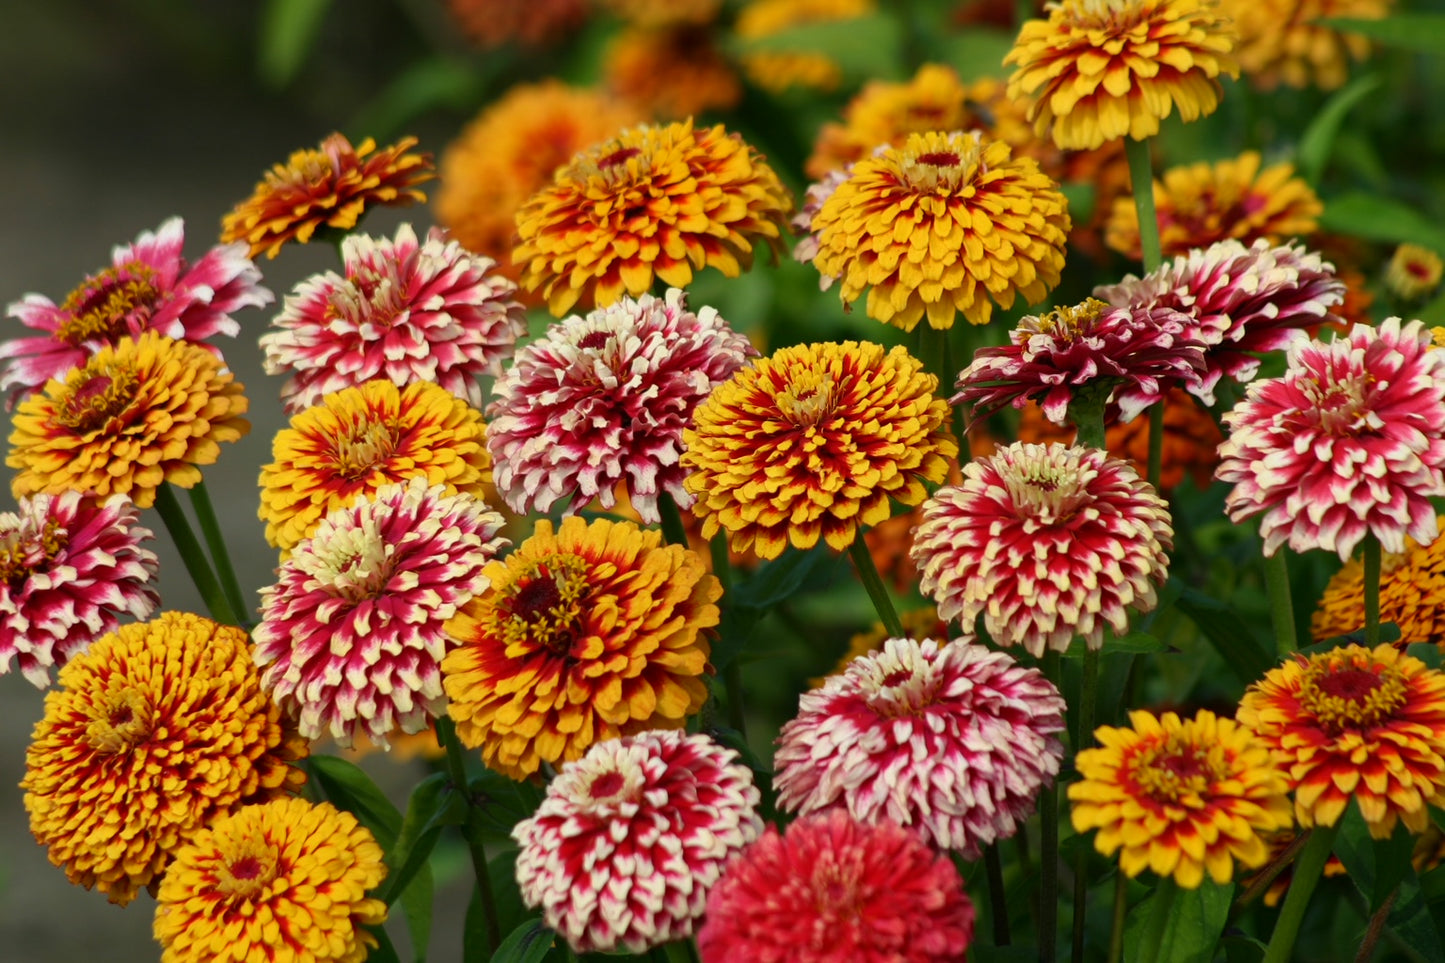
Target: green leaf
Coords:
[[1239, 948], [1133, 642], [1420, 32], [976, 53], [384, 952], [1191, 931], [1235, 641], [502, 802], [527, 943], [1374, 218], [434, 804], [1318, 139], [1376, 866], [289, 29], [785, 576], [351, 789], [416, 904], [439, 82], [1413, 923], [862, 47]]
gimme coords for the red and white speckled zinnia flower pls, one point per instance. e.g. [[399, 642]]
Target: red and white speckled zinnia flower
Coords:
[[1349, 441], [70, 567], [1046, 543], [351, 637], [148, 287], [604, 399], [953, 741], [632, 836], [403, 310]]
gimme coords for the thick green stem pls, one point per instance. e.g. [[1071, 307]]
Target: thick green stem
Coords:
[[997, 901], [1310, 866], [672, 528], [1156, 443], [194, 557], [1121, 912], [471, 830], [1088, 699], [873, 583], [1372, 590], [216, 543], [1152, 935], [1281, 607], [1049, 844], [1141, 181]]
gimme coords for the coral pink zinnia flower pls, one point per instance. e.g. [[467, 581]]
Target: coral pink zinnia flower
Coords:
[[632, 836], [148, 287], [604, 399], [351, 637], [70, 566], [405, 311], [832, 890], [953, 741], [1047, 543], [1349, 441]]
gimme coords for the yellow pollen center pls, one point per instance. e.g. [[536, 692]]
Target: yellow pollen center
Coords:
[[247, 870], [1070, 323], [1047, 493], [94, 395], [808, 399], [542, 606], [23, 552], [1341, 405], [942, 170], [1344, 696], [1173, 770], [121, 720], [369, 444], [1103, 14], [99, 307]]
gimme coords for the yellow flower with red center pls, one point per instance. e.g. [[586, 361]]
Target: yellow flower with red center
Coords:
[[655, 202], [157, 729], [948, 223], [284, 880], [361, 439], [1180, 797], [1099, 70], [136, 414], [672, 72], [331, 187], [1367, 724], [812, 442], [1413, 272], [590, 633], [1285, 41]]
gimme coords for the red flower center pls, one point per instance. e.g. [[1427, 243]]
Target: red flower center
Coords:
[[536, 599], [245, 874], [593, 339], [939, 159], [1169, 769], [121, 719], [606, 786], [1342, 696], [107, 305], [94, 396], [619, 156], [247, 867], [544, 605]]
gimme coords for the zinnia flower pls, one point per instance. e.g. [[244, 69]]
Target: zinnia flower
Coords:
[[1135, 353], [952, 741], [631, 838], [1411, 583], [663, 13], [352, 634], [157, 729], [594, 632], [1180, 798], [1349, 442], [361, 439], [656, 202], [1359, 723], [330, 187], [1046, 543], [675, 71], [536, 23], [1413, 272], [603, 400], [941, 226], [143, 412], [1099, 71], [148, 287], [286, 879], [404, 311], [812, 443], [832, 890], [70, 567], [1291, 42]]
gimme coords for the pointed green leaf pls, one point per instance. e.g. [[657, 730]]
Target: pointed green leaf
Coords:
[[1373, 218], [1318, 140], [527, 943], [1420, 32], [1235, 641], [416, 905], [351, 789], [434, 804], [289, 29], [1191, 930], [1376, 866], [1134, 642]]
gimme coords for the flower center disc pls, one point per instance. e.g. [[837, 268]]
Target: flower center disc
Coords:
[[1344, 697], [1172, 771], [542, 606], [93, 397], [246, 872], [22, 551], [807, 400], [358, 454], [100, 307], [122, 719]]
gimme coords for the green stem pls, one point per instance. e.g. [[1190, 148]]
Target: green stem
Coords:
[[1141, 182], [1049, 844], [1376, 927], [873, 583], [1307, 872], [1088, 699], [216, 543], [1156, 443], [672, 528], [1372, 590], [1281, 608], [733, 685], [1152, 935], [1121, 912], [680, 951], [194, 557], [997, 901], [471, 830]]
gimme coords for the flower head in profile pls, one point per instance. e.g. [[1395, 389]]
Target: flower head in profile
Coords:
[[1413, 272], [364, 438], [331, 187], [143, 412], [70, 568], [1240, 301], [1099, 70], [1136, 353], [588, 633], [655, 202], [812, 442], [674, 71], [951, 741], [352, 634], [1292, 41], [149, 286], [285, 879], [1349, 441], [1046, 543], [834, 890], [157, 729], [603, 400], [1181, 798], [1410, 595], [632, 837], [402, 310], [945, 224], [1355, 723]]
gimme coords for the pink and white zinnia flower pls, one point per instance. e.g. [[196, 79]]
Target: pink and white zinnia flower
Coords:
[[952, 741], [148, 287], [632, 837], [402, 310], [604, 399], [1349, 441]]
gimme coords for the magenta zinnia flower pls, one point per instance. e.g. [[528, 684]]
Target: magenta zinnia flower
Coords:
[[632, 836], [1141, 352], [953, 741], [402, 310], [1349, 441], [70, 567], [1046, 543], [604, 399], [148, 287], [832, 890], [351, 636], [1241, 301]]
